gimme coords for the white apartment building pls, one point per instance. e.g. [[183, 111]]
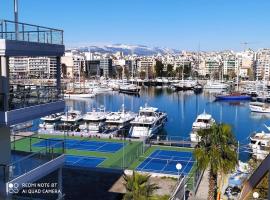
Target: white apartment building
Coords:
[[44, 67], [181, 62], [262, 64], [246, 61], [74, 63], [146, 65], [230, 65], [212, 65]]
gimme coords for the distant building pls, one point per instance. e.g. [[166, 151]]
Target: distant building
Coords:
[[44, 67], [92, 68], [230, 65], [132, 67], [146, 65], [212, 65], [74, 64], [262, 64], [106, 68]]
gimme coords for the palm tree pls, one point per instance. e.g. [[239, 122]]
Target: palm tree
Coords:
[[138, 187], [217, 150]]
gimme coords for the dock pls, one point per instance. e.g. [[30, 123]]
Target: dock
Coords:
[[183, 143]]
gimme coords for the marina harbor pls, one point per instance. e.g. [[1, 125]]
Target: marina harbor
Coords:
[[134, 100]]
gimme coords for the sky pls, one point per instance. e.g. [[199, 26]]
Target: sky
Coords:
[[179, 24]]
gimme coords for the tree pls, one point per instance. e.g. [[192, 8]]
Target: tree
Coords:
[[126, 72], [169, 70], [138, 187], [142, 74], [178, 71], [119, 71], [232, 75], [217, 150], [159, 68], [64, 70]]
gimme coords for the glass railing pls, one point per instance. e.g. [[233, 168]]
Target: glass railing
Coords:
[[11, 30], [22, 96], [26, 162]]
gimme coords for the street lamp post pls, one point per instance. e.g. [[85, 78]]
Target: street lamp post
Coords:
[[179, 167], [255, 195]]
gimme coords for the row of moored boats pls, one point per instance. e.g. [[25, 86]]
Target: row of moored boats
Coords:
[[146, 123]]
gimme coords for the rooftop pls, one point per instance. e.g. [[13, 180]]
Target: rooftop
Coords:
[[10, 30]]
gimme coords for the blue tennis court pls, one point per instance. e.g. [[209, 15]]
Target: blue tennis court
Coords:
[[82, 161], [164, 161], [84, 145]]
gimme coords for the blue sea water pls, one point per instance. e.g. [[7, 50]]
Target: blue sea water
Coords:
[[182, 109]]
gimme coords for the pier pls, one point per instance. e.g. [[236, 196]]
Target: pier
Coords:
[[182, 143]]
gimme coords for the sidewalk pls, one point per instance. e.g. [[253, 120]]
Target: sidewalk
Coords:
[[202, 192]]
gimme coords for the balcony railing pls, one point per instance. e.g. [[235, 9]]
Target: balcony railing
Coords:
[[18, 31], [22, 96], [33, 160]]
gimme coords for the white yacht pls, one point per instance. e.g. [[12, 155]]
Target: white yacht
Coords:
[[94, 121], [22, 126], [148, 122], [215, 85], [72, 95], [259, 107], [129, 89], [119, 120], [99, 88], [70, 120], [260, 145], [185, 84], [49, 122], [203, 121], [71, 116]]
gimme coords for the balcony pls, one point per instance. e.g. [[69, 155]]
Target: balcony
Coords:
[[28, 102], [22, 39], [30, 167]]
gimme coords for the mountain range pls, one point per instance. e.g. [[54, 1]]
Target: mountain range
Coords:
[[140, 50]]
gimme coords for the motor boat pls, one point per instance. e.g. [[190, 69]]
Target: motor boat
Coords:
[[198, 89], [118, 121], [94, 121], [148, 122], [70, 121], [79, 95], [129, 89], [203, 121], [216, 85], [259, 107], [260, 145], [185, 85], [49, 122]]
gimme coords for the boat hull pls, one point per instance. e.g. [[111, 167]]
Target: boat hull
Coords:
[[135, 91], [228, 97]]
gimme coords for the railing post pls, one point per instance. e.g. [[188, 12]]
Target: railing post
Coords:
[[23, 32], [2, 29], [62, 35], [5, 30], [38, 34], [51, 35]]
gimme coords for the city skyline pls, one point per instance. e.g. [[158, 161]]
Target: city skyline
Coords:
[[173, 24]]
